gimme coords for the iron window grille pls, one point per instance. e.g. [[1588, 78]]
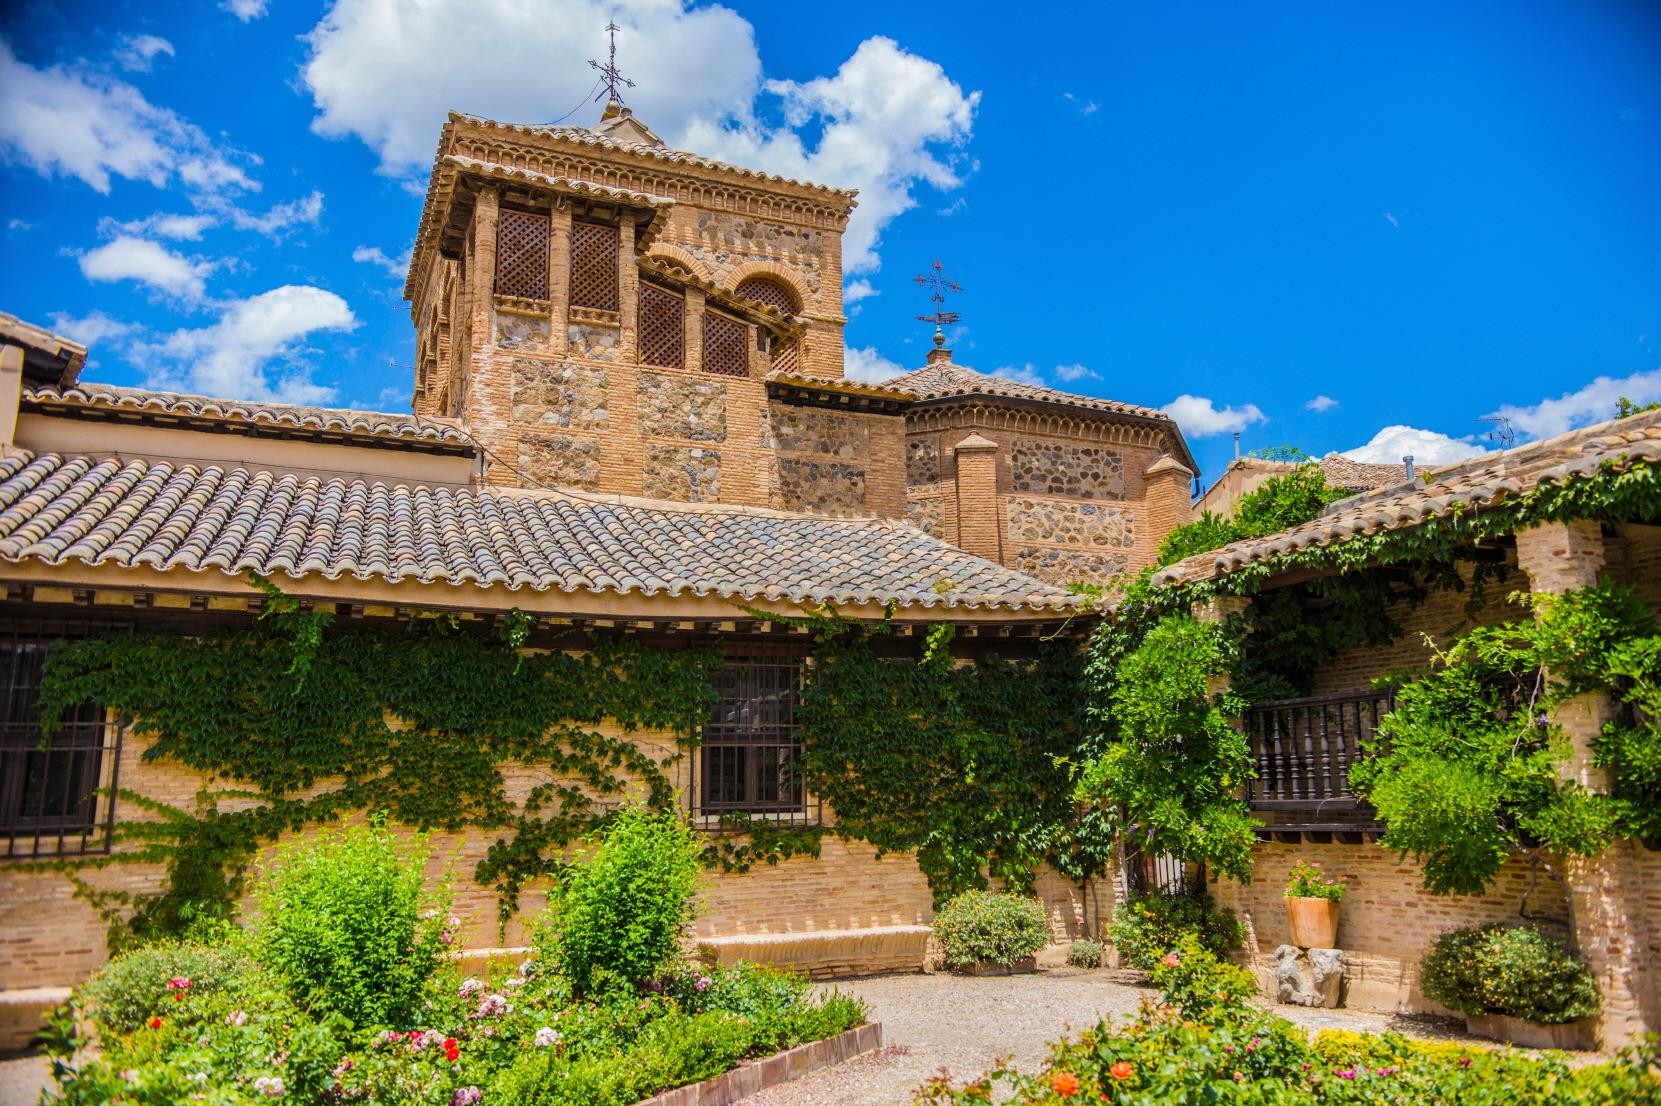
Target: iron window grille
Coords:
[[750, 760], [56, 790]]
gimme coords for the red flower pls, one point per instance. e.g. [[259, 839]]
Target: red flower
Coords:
[[1065, 1083], [155, 1023], [452, 1051], [1124, 1069]]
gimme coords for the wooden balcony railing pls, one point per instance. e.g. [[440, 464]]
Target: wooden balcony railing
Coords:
[[1302, 750]]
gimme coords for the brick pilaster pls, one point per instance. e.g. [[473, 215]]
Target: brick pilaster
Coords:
[[482, 280], [694, 330], [978, 531], [1168, 503], [559, 280], [628, 294]]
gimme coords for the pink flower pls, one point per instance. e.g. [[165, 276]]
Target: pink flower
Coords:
[[471, 986], [1172, 960], [178, 983], [466, 1096]]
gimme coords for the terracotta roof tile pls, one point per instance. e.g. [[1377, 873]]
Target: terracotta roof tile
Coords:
[[168, 516], [329, 420], [1475, 485]]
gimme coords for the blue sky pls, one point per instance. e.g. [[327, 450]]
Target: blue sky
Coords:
[[1424, 214]]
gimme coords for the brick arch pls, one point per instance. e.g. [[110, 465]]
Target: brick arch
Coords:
[[772, 270], [668, 251]]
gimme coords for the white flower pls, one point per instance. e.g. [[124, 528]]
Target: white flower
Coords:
[[236, 1017], [546, 1037], [198, 1077], [471, 986], [492, 1005], [271, 1086]]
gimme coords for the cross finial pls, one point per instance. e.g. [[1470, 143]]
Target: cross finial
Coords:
[[610, 78], [936, 282]]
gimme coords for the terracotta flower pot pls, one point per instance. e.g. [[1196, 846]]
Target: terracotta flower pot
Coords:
[[1314, 922]]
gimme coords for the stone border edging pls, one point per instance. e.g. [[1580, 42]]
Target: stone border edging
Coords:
[[755, 1076]]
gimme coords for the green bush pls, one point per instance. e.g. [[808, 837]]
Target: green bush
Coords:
[[135, 987], [1148, 926], [1198, 983], [348, 926], [1515, 970], [1085, 954], [623, 911], [979, 926]]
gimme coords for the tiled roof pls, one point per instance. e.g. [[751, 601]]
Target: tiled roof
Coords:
[[1341, 472], [47, 356], [1471, 486], [167, 516], [380, 425]]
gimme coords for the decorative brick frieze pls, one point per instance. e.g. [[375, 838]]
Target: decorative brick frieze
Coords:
[[671, 405]]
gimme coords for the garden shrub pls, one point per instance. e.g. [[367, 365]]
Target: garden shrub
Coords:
[[980, 926], [142, 984], [1085, 954], [624, 910], [1515, 970], [773, 1000], [1146, 927], [1197, 982], [1346, 1048], [348, 925]]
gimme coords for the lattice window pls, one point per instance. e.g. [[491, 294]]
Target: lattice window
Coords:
[[726, 345], [662, 328], [750, 758], [787, 357], [522, 254], [54, 788], [594, 249], [769, 292]]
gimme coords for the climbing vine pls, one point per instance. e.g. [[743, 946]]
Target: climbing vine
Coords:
[[295, 721], [1467, 770]]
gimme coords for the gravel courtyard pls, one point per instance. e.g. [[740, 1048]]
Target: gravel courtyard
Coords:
[[964, 1024]]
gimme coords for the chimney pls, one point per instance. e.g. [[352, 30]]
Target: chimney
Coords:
[[1408, 461], [1169, 503]]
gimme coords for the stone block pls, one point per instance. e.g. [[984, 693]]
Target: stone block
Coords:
[[671, 405], [23, 1014], [1044, 467], [1308, 978]]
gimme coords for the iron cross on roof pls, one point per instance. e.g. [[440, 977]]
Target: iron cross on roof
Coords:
[[939, 286], [610, 78]]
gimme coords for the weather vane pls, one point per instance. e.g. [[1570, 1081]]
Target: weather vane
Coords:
[[939, 286], [609, 76]]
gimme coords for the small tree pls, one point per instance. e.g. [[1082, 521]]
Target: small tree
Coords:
[[1173, 765], [623, 911]]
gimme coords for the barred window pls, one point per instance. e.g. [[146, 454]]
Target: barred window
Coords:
[[764, 290], [662, 328], [594, 249], [49, 783], [750, 759], [522, 253], [726, 345]]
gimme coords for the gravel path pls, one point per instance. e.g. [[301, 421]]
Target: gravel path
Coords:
[[964, 1024]]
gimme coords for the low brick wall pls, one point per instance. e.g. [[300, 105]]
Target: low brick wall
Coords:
[[758, 1075]]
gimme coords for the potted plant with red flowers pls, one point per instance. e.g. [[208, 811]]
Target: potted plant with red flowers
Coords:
[[1312, 906]]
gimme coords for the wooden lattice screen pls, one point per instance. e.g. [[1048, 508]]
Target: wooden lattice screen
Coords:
[[662, 328], [769, 292], [726, 345], [522, 254], [787, 357], [594, 266]]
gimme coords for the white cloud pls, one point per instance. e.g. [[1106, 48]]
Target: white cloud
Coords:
[[1587, 405], [306, 210], [136, 53], [1320, 404], [396, 267], [91, 329], [1391, 218], [69, 122], [882, 116], [1024, 374], [1068, 374], [1427, 448], [386, 72], [1031, 374], [858, 290], [130, 258], [254, 350], [245, 10], [393, 398], [161, 225], [1200, 418], [865, 364]]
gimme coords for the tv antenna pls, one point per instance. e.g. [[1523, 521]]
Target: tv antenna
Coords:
[[610, 76], [1502, 432]]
